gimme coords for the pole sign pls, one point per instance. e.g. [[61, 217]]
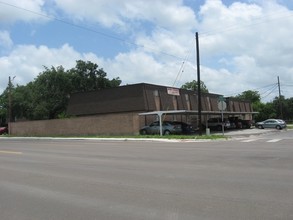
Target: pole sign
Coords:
[[222, 107], [222, 104]]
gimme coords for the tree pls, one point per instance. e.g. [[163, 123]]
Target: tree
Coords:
[[193, 86], [266, 110], [47, 96], [87, 77], [252, 96], [23, 103], [52, 89], [3, 107], [283, 107]]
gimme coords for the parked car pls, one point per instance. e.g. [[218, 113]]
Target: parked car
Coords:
[[168, 127], [216, 124], [186, 128], [240, 123], [246, 123], [3, 130], [271, 123]]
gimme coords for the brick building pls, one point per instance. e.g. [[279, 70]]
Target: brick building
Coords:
[[148, 101], [125, 109]]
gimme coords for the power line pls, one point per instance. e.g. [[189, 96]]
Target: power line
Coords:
[[271, 91], [254, 89], [261, 20], [271, 87], [181, 70], [90, 30]]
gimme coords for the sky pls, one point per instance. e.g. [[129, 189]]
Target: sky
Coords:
[[243, 45]]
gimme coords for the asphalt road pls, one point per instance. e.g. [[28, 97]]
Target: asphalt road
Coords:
[[248, 178]]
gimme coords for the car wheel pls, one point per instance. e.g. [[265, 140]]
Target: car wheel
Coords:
[[143, 132], [167, 132], [278, 127], [260, 127]]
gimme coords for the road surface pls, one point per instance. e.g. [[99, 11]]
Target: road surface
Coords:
[[248, 178]]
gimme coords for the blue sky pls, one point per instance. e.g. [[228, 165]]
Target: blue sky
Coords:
[[244, 45]]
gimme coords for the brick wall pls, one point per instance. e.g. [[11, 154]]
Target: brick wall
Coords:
[[106, 124]]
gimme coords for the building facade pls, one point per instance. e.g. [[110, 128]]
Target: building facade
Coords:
[[123, 110]]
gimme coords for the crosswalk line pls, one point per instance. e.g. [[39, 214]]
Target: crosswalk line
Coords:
[[268, 141], [274, 140], [249, 140]]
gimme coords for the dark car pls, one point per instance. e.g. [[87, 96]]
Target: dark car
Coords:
[[186, 128], [246, 123], [3, 130], [216, 124], [240, 123], [168, 127], [271, 123]]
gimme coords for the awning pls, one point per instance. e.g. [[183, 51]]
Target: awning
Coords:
[[190, 112]]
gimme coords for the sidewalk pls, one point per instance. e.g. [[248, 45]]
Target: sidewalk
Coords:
[[246, 132]]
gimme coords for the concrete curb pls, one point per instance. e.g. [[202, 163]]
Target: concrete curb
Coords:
[[229, 135]]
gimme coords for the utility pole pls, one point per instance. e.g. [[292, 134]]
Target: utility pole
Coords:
[[280, 101], [198, 84], [9, 103]]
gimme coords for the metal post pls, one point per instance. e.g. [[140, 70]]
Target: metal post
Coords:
[[222, 115], [161, 124]]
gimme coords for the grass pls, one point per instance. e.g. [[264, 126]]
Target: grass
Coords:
[[183, 137], [169, 137]]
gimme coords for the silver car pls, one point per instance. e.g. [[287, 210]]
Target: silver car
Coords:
[[168, 127], [271, 123]]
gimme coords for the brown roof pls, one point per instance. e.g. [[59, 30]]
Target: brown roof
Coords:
[[144, 97]]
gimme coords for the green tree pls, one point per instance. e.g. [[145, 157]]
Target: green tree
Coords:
[[51, 91], [86, 76], [255, 99], [3, 107], [288, 113], [23, 103], [250, 95], [266, 110], [283, 107], [47, 96], [193, 86]]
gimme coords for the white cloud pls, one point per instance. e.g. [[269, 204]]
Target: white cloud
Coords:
[[27, 61], [251, 41], [243, 45], [123, 13], [5, 40], [24, 10]]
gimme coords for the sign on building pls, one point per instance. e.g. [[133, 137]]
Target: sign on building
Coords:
[[173, 91]]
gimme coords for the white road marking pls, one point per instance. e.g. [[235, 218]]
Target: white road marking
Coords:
[[274, 140], [249, 140], [9, 152]]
